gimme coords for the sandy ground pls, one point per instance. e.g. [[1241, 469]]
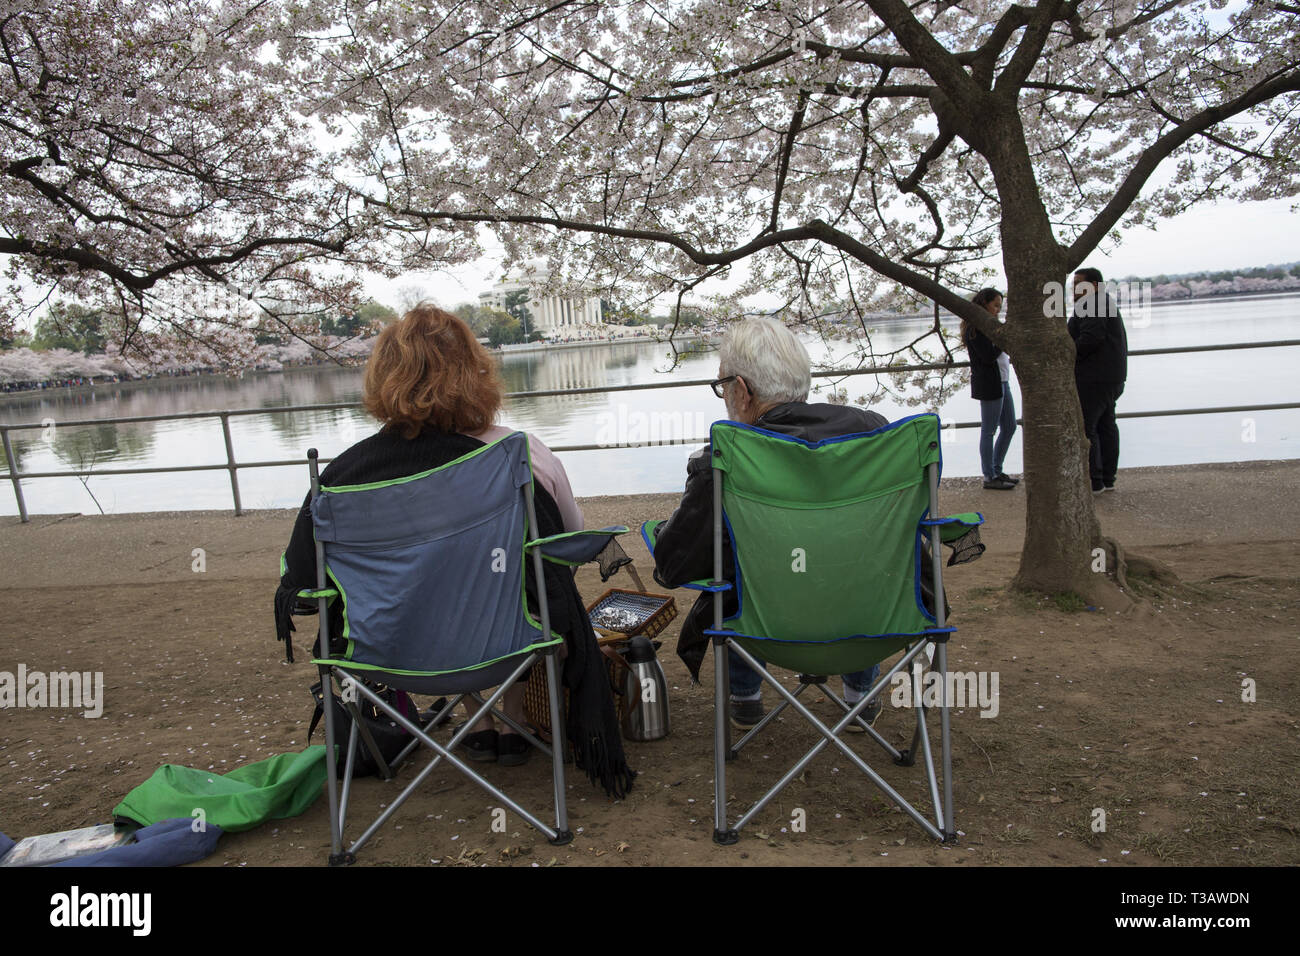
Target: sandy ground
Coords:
[[1139, 713]]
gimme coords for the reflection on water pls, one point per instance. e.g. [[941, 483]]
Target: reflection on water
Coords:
[[1241, 377]]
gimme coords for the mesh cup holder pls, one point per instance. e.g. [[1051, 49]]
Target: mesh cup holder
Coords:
[[966, 548]]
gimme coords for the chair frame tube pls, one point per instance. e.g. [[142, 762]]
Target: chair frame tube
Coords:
[[562, 834], [722, 835], [337, 856], [941, 619]]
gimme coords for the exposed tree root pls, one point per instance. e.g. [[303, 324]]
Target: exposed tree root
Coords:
[[1155, 574], [1096, 590], [1099, 590], [1121, 584]]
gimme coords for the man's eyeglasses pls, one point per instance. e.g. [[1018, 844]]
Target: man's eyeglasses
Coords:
[[717, 385]]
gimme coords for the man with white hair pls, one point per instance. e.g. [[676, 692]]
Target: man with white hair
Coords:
[[764, 376]]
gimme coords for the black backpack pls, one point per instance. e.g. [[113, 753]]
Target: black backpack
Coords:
[[390, 737]]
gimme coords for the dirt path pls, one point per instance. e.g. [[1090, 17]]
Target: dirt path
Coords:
[[1139, 715]]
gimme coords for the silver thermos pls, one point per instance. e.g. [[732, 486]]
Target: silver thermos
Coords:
[[646, 692]]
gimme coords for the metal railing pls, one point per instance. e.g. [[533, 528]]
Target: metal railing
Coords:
[[232, 466]]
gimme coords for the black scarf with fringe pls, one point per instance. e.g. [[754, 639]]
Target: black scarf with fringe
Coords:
[[592, 727]]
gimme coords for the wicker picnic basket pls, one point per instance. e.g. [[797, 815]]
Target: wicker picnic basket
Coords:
[[653, 613]]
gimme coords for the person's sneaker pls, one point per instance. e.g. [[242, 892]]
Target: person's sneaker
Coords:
[[870, 714], [1005, 477], [1108, 486], [745, 713], [1098, 487], [999, 484]]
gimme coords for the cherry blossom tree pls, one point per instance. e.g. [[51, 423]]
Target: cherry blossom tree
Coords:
[[848, 153], [160, 164]]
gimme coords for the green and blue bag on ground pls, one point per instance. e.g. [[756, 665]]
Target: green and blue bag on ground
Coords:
[[281, 786]]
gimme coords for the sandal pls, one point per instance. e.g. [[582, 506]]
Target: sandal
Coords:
[[482, 746], [513, 750]]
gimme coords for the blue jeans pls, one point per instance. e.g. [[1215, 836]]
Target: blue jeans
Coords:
[[745, 681], [996, 415]]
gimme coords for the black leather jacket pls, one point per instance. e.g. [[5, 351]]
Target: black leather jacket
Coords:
[[684, 546]]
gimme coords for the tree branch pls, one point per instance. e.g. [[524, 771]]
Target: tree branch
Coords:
[[1158, 151]]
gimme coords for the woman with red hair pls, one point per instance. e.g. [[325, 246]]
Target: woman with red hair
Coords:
[[438, 392]]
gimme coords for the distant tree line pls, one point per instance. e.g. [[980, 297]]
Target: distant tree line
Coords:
[[1265, 279], [73, 327], [77, 328]]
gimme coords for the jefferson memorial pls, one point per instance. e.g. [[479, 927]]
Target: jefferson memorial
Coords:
[[550, 314]]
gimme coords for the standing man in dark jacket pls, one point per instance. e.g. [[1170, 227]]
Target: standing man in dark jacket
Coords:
[[764, 375], [1100, 370]]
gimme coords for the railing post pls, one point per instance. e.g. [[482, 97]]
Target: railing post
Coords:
[[13, 474], [230, 463]]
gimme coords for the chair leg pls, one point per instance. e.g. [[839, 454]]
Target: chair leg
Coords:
[[444, 753], [562, 833], [440, 718], [949, 827], [721, 744], [907, 758], [930, 780], [337, 856], [754, 731], [348, 766], [859, 721], [921, 745], [829, 736], [385, 771], [518, 728]]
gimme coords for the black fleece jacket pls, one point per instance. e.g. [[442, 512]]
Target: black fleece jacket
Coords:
[[985, 377]]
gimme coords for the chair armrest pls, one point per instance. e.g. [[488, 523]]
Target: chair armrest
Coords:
[[307, 597], [650, 535], [307, 601], [961, 534], [574, 548], [953, 527]]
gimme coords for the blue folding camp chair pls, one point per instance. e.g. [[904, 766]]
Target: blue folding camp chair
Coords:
[[433, 602]]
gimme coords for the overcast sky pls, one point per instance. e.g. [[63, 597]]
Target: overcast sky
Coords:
[[1232, 236]]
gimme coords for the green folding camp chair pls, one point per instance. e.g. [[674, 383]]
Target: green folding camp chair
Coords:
[[827, 544], [433, 602]]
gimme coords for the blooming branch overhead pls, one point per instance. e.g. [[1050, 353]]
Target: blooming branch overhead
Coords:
[[827, 144], [159, 154], [851, 154], [846, 152]]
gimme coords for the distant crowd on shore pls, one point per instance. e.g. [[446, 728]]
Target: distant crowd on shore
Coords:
[[78, 381], [7, 387]]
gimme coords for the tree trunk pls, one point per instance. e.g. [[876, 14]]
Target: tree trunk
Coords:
[[1060, 524], [1061, 527]]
